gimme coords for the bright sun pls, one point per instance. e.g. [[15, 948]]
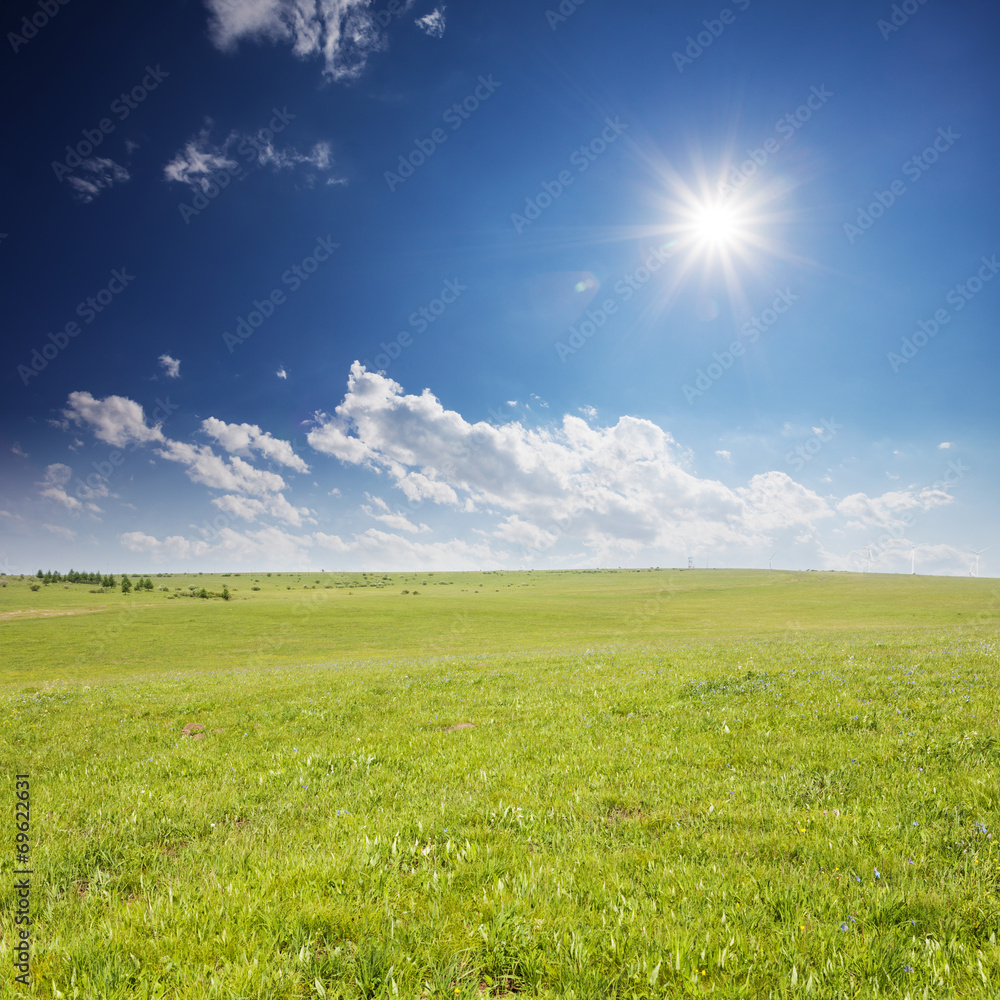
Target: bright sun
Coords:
[[715, 224]]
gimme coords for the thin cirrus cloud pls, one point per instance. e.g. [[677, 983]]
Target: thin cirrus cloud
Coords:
[[99, 174], [342, 32], [201, 161]]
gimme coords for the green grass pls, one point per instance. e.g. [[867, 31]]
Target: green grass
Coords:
[[674, 784]]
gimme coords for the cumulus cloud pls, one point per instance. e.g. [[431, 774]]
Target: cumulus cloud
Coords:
[[171, 366], [271, 505], [264, 547], [944, 445], [619, 488], [115, 420], [343, 32], [433, 23], [886, 510], [244, 439], [281, 373], [209, 469], [53, 487], [99, 173]]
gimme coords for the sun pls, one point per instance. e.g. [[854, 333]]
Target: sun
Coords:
[[715, 225]]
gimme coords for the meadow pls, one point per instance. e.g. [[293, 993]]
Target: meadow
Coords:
[[631, 783]]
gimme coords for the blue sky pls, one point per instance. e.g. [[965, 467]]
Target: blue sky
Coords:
[[346, 285]]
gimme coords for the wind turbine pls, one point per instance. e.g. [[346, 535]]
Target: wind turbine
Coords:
[[769, 561], [913, 558], [977, 554]]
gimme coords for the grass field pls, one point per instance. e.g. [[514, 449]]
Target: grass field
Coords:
[[650, 783]]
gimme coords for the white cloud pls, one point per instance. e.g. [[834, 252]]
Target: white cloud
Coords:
[[726, 456], [213, 471], [245, 439], [398, 522], [202, 159], [170, 365], [944, 445], [433, 23], [114, 420], [53, 487], [270, 505], [284, 159], [394, 553], [884, 511], [281, 373], [265, 547], [99, 173], [613, 488], [343, 32], [56, 529], [18, 450]]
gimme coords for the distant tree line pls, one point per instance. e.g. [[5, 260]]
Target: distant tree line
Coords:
[[105, 581]]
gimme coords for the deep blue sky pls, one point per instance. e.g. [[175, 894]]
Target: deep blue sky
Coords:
[[497, 434]]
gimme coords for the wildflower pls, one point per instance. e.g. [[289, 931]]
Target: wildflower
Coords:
[[915, 823], [843, 926], [907, 968], [877, 875]]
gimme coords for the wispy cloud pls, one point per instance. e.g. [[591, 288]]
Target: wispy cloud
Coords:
[[433, 23], [343, 32], [202, 160], [99, 174]]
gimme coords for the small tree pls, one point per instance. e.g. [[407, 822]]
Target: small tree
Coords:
[[225, 593], [126, 584]]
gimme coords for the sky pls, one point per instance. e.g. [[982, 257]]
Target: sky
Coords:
[[404, 285]]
